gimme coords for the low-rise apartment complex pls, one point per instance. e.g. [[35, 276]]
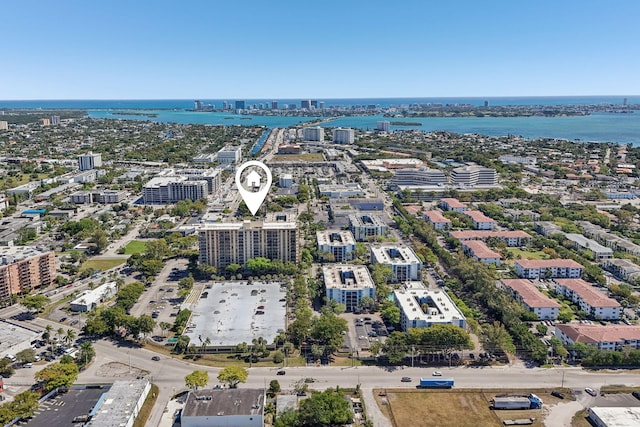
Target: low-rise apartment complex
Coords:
[[548, 268], [590, 300], [422, 308], [347, 284], [531, 298], [604, 337], [403, 261]]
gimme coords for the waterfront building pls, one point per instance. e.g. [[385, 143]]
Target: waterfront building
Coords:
[[4, 125], [89, 161], [343, 136], [422, 308], [590, 300], [404, 263], [383, 126], [223, 243], [314, 133], [274, 105], [474, 176], [339, 243], [548, 268], [531, 298], [305, 104], [365, 226], [22, 269], [240, 105], [229, 155], [347, 284]]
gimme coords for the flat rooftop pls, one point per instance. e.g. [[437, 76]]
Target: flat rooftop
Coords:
[[347, 276], [224, 402], [12, 335], [118, 404], [439, 307], [335, 237], [394, 254], [228, 315]]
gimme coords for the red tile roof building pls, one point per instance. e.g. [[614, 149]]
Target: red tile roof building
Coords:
[[511, 238], [531, 298], [604, 337], [590, 300], [480, 252]]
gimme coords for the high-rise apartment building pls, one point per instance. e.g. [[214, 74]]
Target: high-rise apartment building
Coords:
[[383, 126], [343, 136], [315, 133], [240, 105], [276, 238], [4, 125], [89, 161], [23, 269], [305, 104]]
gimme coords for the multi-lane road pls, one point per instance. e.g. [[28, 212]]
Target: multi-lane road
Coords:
[[168, 373]]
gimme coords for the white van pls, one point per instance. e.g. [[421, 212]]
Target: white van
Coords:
[[11, 357]]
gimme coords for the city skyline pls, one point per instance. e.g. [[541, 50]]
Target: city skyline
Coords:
[[144, 50]]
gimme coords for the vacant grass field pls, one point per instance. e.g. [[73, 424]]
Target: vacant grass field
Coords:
[[135, 247], [312, 157], [455, 408], [102, 264], [526, 254]]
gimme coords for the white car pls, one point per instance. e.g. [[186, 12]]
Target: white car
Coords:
[[437, 374], [591, 391]]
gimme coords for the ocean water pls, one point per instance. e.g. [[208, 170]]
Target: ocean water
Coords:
[[601, 127]]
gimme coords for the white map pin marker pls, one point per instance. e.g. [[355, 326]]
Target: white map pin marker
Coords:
[[253, 180]]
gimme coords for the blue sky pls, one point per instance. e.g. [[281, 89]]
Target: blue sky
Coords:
[[141, 49]]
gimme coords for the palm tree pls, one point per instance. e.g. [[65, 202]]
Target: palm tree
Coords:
[[60, 333], [70, 336]]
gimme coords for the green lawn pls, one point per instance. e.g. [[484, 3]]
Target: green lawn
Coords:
[[101, 264], [527, 254], [135, 247]]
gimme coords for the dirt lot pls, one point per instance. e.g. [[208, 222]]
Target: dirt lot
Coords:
[[455, 408]]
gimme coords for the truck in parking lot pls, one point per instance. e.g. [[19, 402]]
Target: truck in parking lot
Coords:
[[517, 402], [436, 383]]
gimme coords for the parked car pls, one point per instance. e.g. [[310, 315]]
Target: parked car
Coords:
[[406, 379], [281, 372], [437, 374], [636, 394], [591, 391], [557, 394], [155, 358]]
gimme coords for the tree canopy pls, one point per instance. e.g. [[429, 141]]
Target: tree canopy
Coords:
[[233, 375]]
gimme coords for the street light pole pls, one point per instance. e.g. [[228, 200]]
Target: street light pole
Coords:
[[562, 379]]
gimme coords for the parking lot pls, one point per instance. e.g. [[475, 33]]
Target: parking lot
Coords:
[[232, 312], [363, 330]]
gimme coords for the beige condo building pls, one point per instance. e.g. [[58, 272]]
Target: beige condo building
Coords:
[[275, 237]]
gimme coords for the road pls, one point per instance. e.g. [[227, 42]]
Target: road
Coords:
[[169, 373]]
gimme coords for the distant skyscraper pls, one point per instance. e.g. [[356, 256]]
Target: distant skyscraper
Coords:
[[4, 125], [383, 126], [322, 105], [224, 105], [89, 161], [274, 105], [314, 103], [305, 104], [624, 101], [55, 120], [486, 103], [198, 105], [240, 105]]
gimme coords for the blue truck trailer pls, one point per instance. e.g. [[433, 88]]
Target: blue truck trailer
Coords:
[[436, 383]]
